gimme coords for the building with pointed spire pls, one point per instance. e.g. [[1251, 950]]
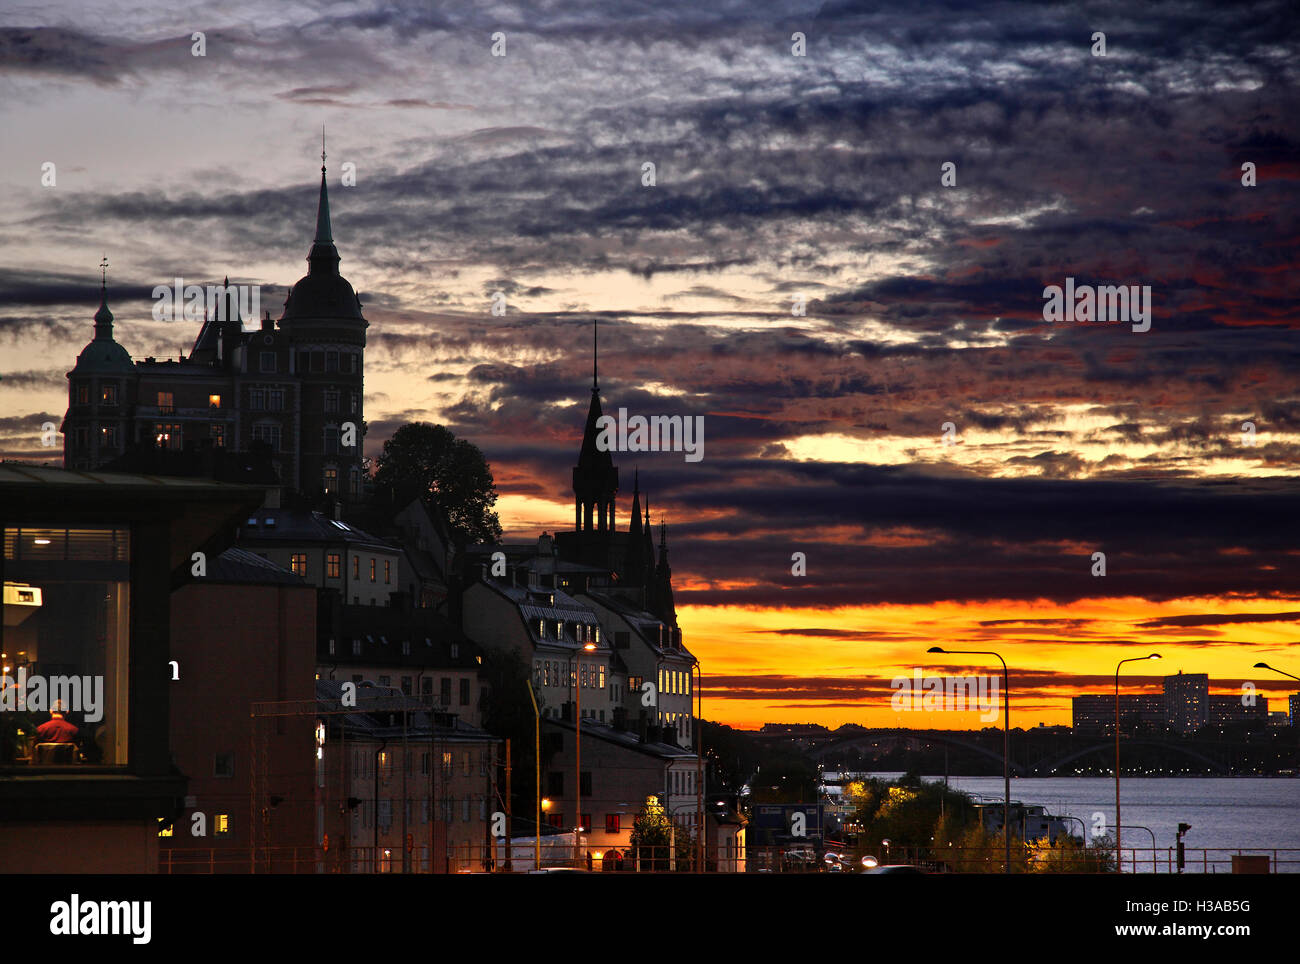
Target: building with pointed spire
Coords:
[[287, 394]]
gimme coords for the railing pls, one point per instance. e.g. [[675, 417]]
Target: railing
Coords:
[[1142, 860], [461, 858]]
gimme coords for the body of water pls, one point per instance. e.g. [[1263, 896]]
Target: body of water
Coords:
[[1250, 813]]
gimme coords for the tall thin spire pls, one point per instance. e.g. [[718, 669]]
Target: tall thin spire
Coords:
[[324, 257], [595, 353], [103, 317]]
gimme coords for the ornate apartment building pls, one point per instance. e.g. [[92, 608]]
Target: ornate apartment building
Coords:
[[290, 390]]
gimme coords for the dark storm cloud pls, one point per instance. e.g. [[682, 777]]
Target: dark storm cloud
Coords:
[[74, 53], [820, 176], [1028, 683], [48, 378], [1221, 619]]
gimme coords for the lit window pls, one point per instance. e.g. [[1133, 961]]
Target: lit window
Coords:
[[356, 567], [108, 394], [83, 394], [372, 568], [332, 565], [218, 435], [331, 481], [165, 832], [165, 405], [223, 824], [298, 563], [214, 401], [388, 572], [168, 435]]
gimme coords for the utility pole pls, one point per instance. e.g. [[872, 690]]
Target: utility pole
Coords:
[[509, 832]]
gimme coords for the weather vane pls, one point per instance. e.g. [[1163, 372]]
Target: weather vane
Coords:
[[103, 270], [322, 146]]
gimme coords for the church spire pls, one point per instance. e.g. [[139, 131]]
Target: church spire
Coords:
[[634, 562], [663, 597], [324, 257], [103, 317], [595, 479], [595, 354]]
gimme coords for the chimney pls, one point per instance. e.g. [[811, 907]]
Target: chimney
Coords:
[[267, 323], [338, 510]]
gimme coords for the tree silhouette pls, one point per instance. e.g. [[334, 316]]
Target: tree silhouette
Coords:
[[429, 462]]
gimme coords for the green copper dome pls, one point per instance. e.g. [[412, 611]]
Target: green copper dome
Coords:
[[103, 355]]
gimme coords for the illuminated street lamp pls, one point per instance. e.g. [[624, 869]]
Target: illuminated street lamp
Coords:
[[1006, 741], [577, 738], [1119, 859]]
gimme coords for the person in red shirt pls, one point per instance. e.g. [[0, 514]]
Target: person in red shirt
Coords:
[[56, 729]]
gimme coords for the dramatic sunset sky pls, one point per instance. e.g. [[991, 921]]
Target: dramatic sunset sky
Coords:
[[777, 176]]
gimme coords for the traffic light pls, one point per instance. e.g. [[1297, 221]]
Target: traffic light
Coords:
[[1182, 829]]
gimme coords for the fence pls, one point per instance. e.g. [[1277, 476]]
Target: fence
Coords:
[[1142, 860], [457, 859]]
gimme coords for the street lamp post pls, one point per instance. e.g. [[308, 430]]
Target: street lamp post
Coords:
[[1138, 826], [698, 733], [577, 740], [1275, 670], [1006, 740], [1119, 858], [537, 763]]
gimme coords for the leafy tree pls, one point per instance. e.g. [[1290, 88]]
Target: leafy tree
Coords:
[[654, 831], [429, 462]]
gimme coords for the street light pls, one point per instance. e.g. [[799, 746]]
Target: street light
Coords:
[[1138, 826], [1119, 858], [577, 739], [1006, 740], [697, 733], [537, 763], [1275, 670]]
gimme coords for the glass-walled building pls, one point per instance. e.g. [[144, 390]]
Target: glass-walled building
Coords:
[[88, 567]]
